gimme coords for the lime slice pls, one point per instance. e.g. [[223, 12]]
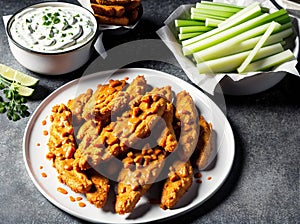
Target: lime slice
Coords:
[[14, 75], [25, 91]]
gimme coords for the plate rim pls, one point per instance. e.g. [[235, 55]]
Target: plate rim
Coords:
[[144, 71]]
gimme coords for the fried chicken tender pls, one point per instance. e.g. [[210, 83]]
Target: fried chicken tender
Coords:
[[61, 142], [119, 21], [76, 106], [122, 101], [140, 170], [97, 107], [167, 140], [113, 2], [204, 149], [116, 12], [77, 181], [130, 129], [178, 183], [132, 5], [136, 88], [99, 192], [187, 114], [108, 10], [91, 129], [133, 15]]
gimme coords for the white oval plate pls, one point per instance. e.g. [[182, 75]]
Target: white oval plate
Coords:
[[35, 156]]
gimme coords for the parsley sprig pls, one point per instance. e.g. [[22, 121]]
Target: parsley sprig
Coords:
[[15, 107]]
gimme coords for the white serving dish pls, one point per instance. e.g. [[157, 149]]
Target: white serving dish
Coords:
[[145, 212], [53, 63]]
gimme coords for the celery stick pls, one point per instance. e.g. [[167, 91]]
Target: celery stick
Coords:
[[283, 19], [228, 45], [258, 46], [274, 16], [265, 10], [274, 38], [221, 36], [286, 26], [219, 4], [218, 7], [185, 22], [254, 12], [184, 36], [241, 13], [271, 61], [193, 29], [202, 16], [212, 12], [231, 62], [212, 22]]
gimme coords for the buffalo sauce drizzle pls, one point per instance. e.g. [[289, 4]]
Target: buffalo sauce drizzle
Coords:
[[62, 190]]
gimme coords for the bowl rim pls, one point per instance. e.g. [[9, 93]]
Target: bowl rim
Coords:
[[50, 3]]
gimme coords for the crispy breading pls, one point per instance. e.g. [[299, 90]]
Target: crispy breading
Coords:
[[132, 5], [107, 20], [61, 142], [140, 171], [87, 133], [76, 106], [113, 2], [187, 114], [204, 148], [77, 181], [167, 140], [178, 183], [137, 87], [130, 129], [133, 15], [120, 102], [97, 107], [108, 10], [98, 194], [114, 107]]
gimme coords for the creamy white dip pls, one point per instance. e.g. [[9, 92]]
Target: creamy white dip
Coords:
[[52, 28]]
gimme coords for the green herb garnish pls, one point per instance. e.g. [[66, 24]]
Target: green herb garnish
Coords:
[[15, 107]]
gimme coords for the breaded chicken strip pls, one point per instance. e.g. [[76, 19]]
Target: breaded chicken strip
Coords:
[[91, 130], [99, 192], [140, 170], [113, 2], [204, 148], [129, 130], [107, 20], [178, 183], [77, 181], [132, 5], [97, 107], [167, 140], [187, 114], [76, 106], [61, 142], [108, 10]]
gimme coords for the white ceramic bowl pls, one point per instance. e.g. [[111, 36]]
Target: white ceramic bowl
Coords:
[[54, 62]]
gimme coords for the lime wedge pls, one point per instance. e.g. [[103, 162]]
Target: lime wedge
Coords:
[[25, 91], [14, 75]]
